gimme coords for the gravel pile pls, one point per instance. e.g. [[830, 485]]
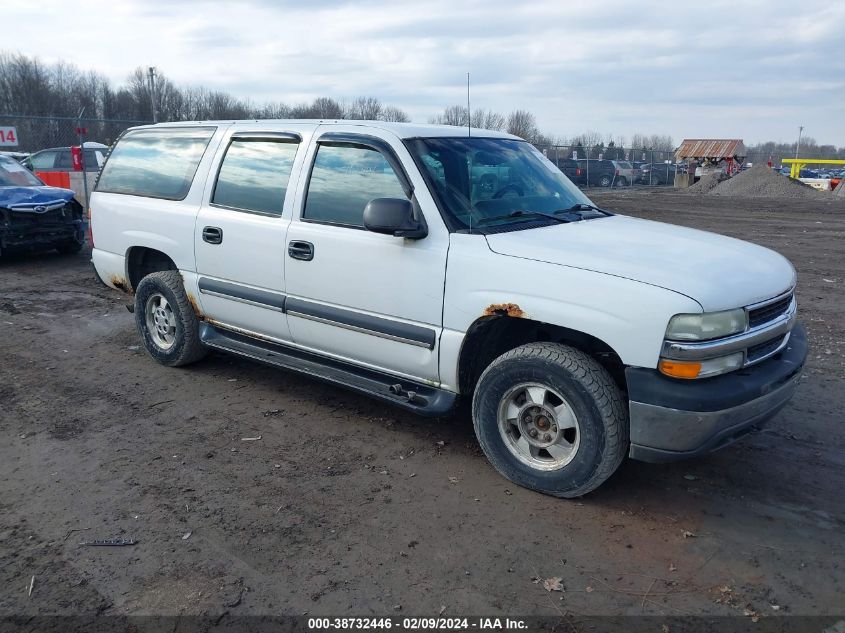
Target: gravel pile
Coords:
[[708, 182], [762, 182]]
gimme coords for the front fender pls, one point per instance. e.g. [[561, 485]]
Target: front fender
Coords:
[[629, 317]]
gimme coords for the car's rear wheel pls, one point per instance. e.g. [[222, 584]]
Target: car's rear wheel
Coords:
[[550, 418], [166, 321]]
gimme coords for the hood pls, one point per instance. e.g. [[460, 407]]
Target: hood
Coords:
[[10, 196], [718, 272]]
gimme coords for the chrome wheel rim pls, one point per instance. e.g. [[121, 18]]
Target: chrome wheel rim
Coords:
[[538, 426], [161, 321]]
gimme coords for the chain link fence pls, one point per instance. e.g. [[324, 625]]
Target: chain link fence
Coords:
[[615, 167], [34, 133]]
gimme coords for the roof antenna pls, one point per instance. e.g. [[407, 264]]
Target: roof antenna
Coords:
[[469, 112]]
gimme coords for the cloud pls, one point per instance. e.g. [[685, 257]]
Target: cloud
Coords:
[[755, 69]]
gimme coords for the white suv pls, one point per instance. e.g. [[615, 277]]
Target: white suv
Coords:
[[423, 264]]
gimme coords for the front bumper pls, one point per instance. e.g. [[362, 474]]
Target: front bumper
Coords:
[[14, 238], [677, 419]]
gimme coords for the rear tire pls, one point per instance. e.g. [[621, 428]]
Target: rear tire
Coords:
[[166, 321], [550, 418]]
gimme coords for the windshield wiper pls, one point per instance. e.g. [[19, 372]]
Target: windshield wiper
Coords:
[[582, 206], [519, 213]]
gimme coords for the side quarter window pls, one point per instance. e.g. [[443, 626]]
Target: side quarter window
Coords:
[[43, 160], [344, 179], [254, 175]]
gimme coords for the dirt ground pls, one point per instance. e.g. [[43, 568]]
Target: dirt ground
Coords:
[[347, 506]]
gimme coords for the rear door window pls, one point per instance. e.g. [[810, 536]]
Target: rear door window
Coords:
[[156, 163], [254, 175]]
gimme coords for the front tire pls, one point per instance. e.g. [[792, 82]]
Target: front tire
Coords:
[[550, 418], [605, 181], [166, 321]]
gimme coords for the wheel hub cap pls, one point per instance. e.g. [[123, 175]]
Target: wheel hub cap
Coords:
[[539, 426], [161, 321]]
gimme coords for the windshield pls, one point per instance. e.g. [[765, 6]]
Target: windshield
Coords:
[[494, 182], [13, 174]]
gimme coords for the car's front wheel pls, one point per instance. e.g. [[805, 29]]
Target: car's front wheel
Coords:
[[550, 418], [166, 321], [605, 181]]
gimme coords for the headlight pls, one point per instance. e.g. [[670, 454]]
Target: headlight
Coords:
[[702, 327]]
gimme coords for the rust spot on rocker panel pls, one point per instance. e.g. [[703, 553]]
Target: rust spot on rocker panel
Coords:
[[121, 284], [193, 301], [504, 309]]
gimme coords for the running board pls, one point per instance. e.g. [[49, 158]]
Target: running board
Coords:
[[401, 392]]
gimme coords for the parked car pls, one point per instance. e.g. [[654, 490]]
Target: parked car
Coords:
[[18, 156], [597, 173], [659, 174], [366, 254], [570, 169], [34, 216], [59, 158], [625, 173]]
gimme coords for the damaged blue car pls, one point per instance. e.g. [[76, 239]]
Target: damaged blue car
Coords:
[[34, 216]]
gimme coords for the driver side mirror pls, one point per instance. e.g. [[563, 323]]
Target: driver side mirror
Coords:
[[393, 216]]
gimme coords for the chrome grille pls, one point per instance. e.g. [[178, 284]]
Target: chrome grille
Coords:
[[764, 314], [762, 350]]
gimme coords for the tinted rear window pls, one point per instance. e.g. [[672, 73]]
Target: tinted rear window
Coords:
[[155, 163], [254, 175]]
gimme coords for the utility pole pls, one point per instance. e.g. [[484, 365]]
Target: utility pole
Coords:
[[152, 73], [798, 144], [81, 132]]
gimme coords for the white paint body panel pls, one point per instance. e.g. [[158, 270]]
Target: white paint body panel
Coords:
[[374, 274], [120, 222], [629, 316], [719, 272], [253, 252]]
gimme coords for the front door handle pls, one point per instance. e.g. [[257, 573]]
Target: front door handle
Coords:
[[301, 250], [212, 235]]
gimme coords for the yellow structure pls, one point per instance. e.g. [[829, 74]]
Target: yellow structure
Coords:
[[800, 163]]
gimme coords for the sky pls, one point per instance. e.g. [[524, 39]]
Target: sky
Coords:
[[740, 69]]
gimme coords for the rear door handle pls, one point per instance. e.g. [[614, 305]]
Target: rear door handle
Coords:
[[301, 250], [212, 235]]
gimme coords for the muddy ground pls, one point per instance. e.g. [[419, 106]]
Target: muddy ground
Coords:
[[347, 506]]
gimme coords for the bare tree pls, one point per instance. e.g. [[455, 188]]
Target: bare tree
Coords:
[[523, 124], [453, 115], [488, 120], [327, 108], [457, 115], [392, 113], [365, 109]]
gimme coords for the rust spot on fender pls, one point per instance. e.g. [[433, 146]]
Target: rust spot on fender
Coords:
[[193, 301], [504, 309], [121, 284]]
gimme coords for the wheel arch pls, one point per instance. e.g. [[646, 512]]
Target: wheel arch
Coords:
[[489, 337], [142, 260]]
